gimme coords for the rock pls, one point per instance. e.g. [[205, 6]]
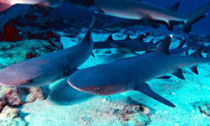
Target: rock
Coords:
[[2, 104], [9, 112], [12, 122], [203, 107], [18, 96], [35, 93], [13, 52], [138, 114]]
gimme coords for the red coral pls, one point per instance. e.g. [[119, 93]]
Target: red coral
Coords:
[[11, 33], [30, 55]]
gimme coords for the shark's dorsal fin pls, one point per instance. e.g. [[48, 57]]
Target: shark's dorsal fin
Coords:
[[144, 88], [128, 37], [87, 38], [194, 69], [140, 38], [152, 41], [175, 6], [164, 46], [169, 24], [110, 38], [179, 74]]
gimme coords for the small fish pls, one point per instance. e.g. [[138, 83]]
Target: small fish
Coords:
[[47, 68], [6, 4], [133, 73], [138, 10]]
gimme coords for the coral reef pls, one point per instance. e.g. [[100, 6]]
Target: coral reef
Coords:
[[12, 52], [10, 117], [203, 107]]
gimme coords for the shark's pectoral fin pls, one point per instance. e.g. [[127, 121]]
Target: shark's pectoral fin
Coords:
[[144, 88], [169, 25], [93, 54], [179, 74]]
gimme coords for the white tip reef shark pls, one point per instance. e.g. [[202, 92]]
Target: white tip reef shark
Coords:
[[139, 10], [133, 73], [47, 68]]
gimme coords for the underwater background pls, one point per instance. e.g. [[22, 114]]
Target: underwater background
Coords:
[[31, 31], [187, 7]]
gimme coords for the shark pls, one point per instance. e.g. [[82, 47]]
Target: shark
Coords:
[[6, 4], [127, 45], [133, 73], [47, 68], [142, 11]]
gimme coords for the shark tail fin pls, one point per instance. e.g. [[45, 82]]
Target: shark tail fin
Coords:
[[4, 5], [195, 17]]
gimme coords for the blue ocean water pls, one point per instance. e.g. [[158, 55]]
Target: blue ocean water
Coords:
[[186, 7]]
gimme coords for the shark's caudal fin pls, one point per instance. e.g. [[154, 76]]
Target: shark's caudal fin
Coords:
[[144, 88], [195, 17]]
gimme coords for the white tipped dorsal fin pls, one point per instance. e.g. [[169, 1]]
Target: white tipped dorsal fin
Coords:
[[164, 46], [88, 37], [175, 6]]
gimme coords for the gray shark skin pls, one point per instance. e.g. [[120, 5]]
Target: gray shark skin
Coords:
[[138, 10], [129, 24], [11, 13], [47, 68], [133, 73]]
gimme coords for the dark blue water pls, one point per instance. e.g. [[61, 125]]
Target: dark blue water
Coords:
[[187, 7]]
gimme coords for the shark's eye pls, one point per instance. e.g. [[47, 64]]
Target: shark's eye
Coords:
[[96, 88]]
